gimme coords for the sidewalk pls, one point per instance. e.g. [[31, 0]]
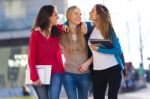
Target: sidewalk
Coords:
[[138, 94]]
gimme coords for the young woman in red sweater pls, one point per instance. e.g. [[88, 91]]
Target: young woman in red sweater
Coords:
[[44, 49]]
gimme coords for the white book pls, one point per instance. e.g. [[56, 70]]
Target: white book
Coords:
[[44, 73]]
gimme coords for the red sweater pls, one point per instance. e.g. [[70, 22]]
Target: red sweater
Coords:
[[43, 51]]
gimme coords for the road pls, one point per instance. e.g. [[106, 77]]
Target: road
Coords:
[[139, 94]]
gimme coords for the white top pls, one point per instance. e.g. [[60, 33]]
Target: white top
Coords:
[[101, 61]]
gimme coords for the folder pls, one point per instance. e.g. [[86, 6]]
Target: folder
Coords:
[[102, 43], [44, 73]]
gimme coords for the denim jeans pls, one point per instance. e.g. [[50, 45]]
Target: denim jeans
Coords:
[[55, 86], [77, 85], [51, 91]]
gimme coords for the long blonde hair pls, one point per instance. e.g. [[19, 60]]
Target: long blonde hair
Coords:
[[80, 36], [105, 24]]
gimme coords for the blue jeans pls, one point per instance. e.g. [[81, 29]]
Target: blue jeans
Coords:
[[77, 85], [55, 86]]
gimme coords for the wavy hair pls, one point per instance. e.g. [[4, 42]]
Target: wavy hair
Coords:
[[105, 24], [80, 36], [42, 21]]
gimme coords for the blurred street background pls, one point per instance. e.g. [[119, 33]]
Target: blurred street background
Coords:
[[131, 22]]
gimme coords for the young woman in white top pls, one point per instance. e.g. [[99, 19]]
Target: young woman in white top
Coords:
[[107, 64]]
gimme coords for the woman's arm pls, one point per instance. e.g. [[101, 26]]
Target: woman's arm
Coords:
[[115, 50], [32, 56], [85, 66]]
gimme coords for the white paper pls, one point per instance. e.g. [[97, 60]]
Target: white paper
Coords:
[[44, 73]]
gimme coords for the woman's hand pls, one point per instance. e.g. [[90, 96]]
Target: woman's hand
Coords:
[[84, 28], [65, 28], [94, 47], [37, 29], [37, 83], [84, 67]]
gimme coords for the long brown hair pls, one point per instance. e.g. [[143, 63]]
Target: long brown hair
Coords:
[[80, 36], [105, 24], [42, 20]]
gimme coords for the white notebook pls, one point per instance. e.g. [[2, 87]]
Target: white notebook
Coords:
[[44, 73]]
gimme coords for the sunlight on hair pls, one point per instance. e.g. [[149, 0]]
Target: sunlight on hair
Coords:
[[127, 17]]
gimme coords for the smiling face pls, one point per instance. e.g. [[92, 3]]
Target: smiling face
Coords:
[[53, 19], [93, 14], [74, 15]]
